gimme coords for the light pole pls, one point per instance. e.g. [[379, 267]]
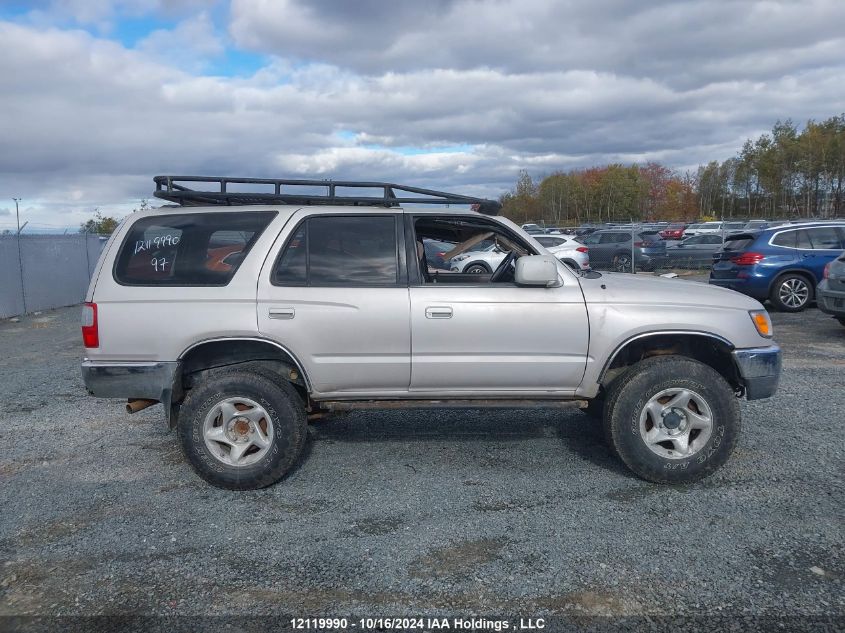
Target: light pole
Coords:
[[17, 214], [20, 258]]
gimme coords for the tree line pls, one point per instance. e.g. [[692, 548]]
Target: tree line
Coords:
[[787, 173]]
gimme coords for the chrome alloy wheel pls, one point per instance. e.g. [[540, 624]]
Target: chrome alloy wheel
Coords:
[[676, 423], [794, 292], [238, 431]]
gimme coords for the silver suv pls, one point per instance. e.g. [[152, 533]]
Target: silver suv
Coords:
[[245, 313]]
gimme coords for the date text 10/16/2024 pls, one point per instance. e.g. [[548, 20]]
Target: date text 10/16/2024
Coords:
[[417, 624]]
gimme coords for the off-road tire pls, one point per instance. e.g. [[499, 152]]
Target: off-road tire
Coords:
[[285, 410], [631, 391], [774, 293]]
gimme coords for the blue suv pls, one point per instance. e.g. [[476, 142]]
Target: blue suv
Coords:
[[783, 264]]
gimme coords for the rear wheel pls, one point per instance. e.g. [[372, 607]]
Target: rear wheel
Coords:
[[241, 430], [622, 263], [672, 419], [791, 293], [841, 320]]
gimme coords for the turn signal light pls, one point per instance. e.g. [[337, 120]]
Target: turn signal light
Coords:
[[90, 331], [762, 322], [748, 259]]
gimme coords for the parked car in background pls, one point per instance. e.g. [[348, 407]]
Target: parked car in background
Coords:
[[694, 252], [830, 293], [759, 225], [567, 249], [435, 254], [532, 229], [586, 229], [482, 260], [673, 232], [612, 248], [720, 228], [783, 264]]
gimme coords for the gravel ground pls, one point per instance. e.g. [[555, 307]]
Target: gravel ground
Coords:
[[416, 513]]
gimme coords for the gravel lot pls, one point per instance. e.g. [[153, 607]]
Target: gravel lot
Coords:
[[416, 513]]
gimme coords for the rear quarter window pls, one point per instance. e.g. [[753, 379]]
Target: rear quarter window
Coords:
[[188, 249]]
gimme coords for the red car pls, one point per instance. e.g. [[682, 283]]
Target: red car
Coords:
[[673, 232]]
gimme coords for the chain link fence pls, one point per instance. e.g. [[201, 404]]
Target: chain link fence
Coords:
[[639, 248], [40, 272]]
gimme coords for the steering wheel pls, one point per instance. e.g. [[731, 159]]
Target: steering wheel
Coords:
[[499, 273]]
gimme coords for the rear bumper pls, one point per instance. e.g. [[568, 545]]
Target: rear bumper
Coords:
[[759, 369], [830, 301], [150, 381]]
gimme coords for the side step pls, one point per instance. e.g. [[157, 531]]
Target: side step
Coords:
[[363, 405]]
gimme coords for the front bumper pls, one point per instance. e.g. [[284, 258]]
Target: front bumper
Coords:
[[759, 369], [149, 381]]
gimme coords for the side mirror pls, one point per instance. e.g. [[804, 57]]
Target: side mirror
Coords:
[[537, 270]]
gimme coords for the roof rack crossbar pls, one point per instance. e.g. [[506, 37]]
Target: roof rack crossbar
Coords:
[[180, 189]]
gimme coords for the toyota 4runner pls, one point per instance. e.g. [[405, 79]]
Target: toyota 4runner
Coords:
[[244, 313]]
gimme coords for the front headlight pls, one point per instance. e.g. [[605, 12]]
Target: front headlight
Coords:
[[762, 322], [460, 258]]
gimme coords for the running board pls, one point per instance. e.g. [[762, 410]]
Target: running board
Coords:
[[362, 405]]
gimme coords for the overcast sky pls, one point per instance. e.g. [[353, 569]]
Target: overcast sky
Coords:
[[100, 95]]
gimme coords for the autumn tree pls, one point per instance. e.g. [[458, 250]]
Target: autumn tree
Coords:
[[100, 224]]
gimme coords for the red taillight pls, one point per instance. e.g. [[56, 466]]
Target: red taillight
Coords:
[[90, 333], [582, 249], [826, 272], [640, 244], [748, 259]]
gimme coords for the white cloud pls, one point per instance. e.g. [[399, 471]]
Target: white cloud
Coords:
[[686, 43], [190, 44], [84, 122]]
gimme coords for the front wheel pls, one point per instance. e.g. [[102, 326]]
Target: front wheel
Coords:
[[791, 293], [672, 419], [241, 430], [477, 269]]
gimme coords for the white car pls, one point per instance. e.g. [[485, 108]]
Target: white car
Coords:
[[567, 249], [482, 261], [486, 259], [713, 228]]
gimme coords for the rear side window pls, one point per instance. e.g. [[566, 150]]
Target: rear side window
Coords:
[[787, 239], [190, 249], [825, 238], [614, 238], [340, 251]]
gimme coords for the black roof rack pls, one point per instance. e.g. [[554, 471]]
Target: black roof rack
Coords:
[[183, 190]]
